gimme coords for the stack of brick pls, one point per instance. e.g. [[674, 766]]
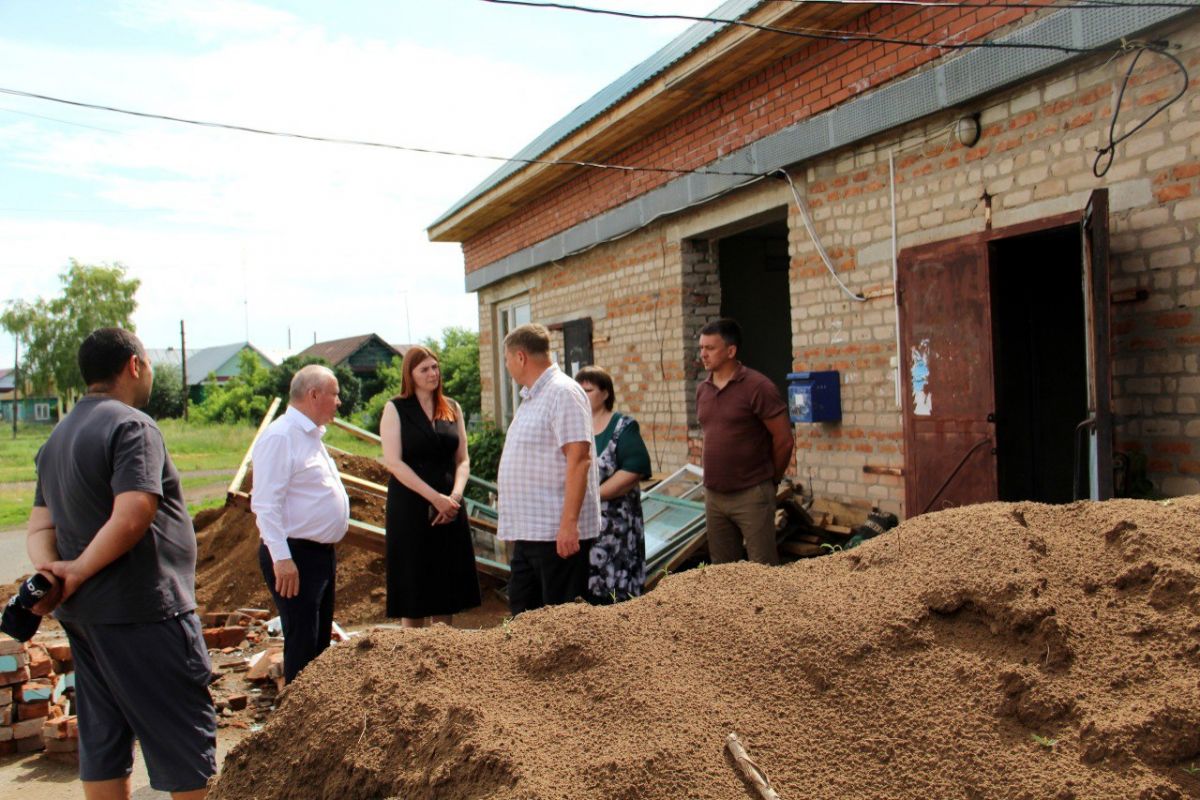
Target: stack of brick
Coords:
[[31, 694]]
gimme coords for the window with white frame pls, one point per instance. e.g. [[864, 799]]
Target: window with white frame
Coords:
[[41, 412], [510, 314]]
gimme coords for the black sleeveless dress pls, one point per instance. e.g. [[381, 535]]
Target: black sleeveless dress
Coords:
[[430, 568]]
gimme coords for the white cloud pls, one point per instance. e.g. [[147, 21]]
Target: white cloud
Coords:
[[314, 236]]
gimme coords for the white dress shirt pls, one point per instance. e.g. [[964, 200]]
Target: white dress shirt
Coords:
[[296, 492], [533, 469]]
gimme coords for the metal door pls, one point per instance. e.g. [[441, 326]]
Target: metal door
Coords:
[[1096, 481], [946, 375]]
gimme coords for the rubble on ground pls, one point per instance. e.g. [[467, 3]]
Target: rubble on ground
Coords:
[[1001, 650]]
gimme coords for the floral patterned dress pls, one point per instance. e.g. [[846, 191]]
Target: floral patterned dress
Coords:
[[618, 557]]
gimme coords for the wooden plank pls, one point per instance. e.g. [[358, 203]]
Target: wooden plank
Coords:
[[801, 549], [366, 536], [355, 431], [239, 499], [236, 484], [878, 469], [363, 483], [482, 524]]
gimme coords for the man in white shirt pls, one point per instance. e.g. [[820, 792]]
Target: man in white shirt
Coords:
[[302, 511], [549, 495]]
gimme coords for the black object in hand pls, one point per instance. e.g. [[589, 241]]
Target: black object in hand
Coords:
[[18, 621]]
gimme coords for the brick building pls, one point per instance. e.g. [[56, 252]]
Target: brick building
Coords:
[[1044, 328]]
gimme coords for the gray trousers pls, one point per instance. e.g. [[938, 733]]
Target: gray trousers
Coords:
[[742, 523]]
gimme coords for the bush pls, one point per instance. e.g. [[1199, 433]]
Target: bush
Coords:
[[242, 398], [389, 377], [485, 444], [166, 400]]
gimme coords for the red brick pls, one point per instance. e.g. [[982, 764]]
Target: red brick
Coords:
[[216, 638], [1177, 191], [1175, 319], [9, 678], [38, 710]]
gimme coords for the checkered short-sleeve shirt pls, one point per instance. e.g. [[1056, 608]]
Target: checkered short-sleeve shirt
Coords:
[[533, 469]]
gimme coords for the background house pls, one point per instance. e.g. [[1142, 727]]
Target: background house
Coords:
[[928, 222], [28, 409], [362, 355], [221, 363]]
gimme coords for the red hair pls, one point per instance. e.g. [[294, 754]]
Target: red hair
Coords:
[[413, 358]]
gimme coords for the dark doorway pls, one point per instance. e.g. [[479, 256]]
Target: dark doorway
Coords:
[[755, 291], [1039, 351]]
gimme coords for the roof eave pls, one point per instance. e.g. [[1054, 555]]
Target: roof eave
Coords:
[[728, 56]]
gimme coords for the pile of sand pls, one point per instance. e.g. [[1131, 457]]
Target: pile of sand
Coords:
[[921, 665], [228, 575]]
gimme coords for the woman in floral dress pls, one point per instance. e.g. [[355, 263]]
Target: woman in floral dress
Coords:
[[618, 557]]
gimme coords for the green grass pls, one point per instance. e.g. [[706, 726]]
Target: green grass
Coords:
[[336, 437], [14, 507], [194, 447]]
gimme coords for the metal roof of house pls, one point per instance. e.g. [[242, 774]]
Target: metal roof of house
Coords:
[[336, 351], [203, 362], [609, 96]]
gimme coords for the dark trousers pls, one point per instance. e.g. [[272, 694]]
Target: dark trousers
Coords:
[[307, 618], [540, 578]]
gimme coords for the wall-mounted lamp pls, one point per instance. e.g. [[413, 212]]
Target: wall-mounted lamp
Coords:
[[967, 130]]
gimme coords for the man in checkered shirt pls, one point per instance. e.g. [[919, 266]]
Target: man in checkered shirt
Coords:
[[549, 486]]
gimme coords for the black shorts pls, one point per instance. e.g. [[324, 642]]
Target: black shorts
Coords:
[[149, 681]]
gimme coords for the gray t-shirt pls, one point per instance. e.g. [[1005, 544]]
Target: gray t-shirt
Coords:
[[99, 450]]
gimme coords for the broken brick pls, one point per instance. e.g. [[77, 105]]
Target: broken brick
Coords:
[[40, 664], [237, 701], [216, 638], [61, 745], [60, 651]]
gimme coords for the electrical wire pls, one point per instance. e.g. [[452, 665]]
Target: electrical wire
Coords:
[[1095, 5], [365, 143], [812, 233], [831, 36], [56, 119], [1106, 154]]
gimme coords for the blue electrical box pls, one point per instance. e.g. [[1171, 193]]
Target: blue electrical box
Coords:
[[814, 396]]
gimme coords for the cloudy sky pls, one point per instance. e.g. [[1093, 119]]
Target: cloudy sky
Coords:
[[240, 234]]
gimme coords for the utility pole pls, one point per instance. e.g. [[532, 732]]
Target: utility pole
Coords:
[[183, 368], [16, 379]]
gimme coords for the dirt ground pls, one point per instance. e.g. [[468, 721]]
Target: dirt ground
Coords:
[[996, 651]]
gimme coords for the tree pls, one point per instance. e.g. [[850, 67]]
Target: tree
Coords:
[[93, 297], [458, 354], [390, 377], [166, 400], [279, 381]]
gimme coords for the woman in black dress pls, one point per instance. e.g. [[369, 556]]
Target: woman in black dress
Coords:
[[430, 558]]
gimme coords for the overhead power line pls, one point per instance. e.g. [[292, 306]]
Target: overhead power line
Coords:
[[366, 143], [1101, 5], [827, 36]]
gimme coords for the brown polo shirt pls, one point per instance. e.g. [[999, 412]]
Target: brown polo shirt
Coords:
[[737, 445]]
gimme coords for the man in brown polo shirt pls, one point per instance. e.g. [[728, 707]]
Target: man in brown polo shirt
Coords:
[[747, 448]]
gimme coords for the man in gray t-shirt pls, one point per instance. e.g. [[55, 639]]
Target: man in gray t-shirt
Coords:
[[110, 529]]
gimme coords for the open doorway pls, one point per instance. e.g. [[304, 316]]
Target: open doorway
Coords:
[[1039, 351], [753, 266]]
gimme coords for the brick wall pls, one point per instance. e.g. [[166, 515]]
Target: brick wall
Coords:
[[649, 292]]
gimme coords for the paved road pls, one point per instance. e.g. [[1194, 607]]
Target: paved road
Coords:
[[14, 563]]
